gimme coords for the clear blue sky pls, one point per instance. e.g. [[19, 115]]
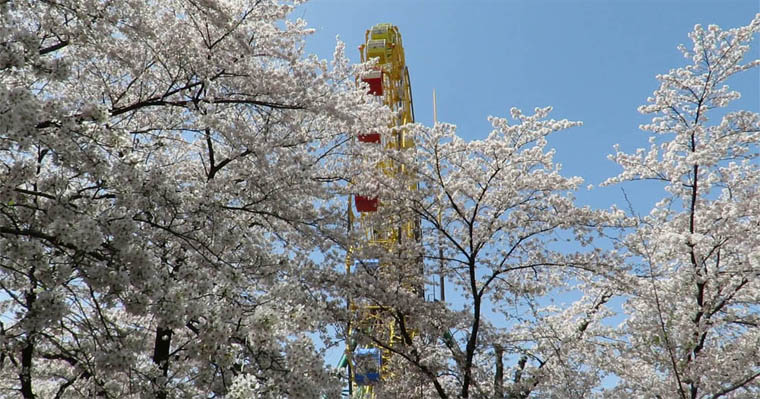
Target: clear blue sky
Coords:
[[592, 60]]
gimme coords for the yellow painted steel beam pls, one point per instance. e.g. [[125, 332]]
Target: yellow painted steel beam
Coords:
[[384, 46]]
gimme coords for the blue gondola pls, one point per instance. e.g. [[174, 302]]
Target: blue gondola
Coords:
[[367, 364]]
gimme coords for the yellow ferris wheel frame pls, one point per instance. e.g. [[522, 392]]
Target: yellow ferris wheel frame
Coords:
[[388, 79]]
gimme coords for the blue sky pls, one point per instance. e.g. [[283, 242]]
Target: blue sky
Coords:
[[592, 60]]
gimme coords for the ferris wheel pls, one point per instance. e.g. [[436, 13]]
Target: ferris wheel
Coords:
[[369, 365]]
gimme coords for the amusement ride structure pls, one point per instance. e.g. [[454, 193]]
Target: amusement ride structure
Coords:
[[367, 362]]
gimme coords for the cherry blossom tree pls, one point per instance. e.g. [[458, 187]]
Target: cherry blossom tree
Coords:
[[693, 294], [494, 214], [171, 168], [165, 165]]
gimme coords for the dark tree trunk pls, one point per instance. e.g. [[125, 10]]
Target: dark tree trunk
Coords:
[[161, 351], [498, 378], [27, 353], [26, 369]]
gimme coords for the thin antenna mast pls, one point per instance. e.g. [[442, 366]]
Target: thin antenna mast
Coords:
[[435, 110], [440, 235]]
